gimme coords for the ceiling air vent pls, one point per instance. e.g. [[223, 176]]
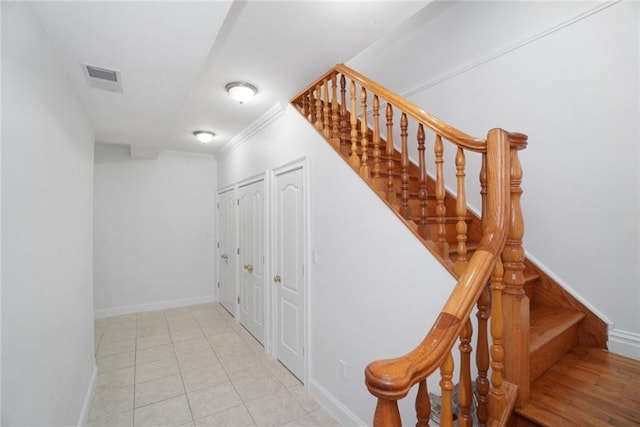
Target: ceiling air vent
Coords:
[[103, 78]]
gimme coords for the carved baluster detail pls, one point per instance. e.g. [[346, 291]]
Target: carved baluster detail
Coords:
[[423, 226], [312, 107], [461, 212], [497, 332], [364, 129], [405, 211], [515, 302], [391, 191], [376, 143], [335, 113], [465, 390], [423, 405], [446, 384], [387, 414], [441, 210], [482, 357], [354, 159], [305, 105], [483, 190], [318, 95], [326, 129], [344, 122]]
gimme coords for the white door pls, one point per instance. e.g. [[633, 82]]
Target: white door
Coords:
[[251, 210], [227, 250], [289, 234]]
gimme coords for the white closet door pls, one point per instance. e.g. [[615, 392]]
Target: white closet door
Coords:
[[227, 250], [289, 234], [251, 211]]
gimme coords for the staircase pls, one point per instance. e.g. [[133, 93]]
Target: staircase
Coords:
[[546, 359]]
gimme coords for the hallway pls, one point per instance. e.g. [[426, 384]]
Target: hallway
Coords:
[[193, 366]]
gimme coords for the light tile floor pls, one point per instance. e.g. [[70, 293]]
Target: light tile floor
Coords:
[[193, 366]]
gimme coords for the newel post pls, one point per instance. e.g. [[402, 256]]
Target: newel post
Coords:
[[515, 302]]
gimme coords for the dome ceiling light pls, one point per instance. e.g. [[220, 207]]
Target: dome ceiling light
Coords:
[[204, 136], [241, 91]]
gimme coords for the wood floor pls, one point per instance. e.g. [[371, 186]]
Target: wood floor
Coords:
[[587, 387]]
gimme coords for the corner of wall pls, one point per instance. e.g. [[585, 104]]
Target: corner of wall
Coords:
[[88, 399]]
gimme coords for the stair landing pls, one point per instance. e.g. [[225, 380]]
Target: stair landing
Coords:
[[587, 387]]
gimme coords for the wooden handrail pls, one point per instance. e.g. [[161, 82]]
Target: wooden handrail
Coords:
[[391, 379], [436, 125]]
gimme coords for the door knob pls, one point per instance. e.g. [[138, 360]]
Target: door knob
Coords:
[[277, 278], [249, 268]]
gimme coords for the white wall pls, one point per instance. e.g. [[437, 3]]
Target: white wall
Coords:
[[374, 290], [48, 366], [566, 74], [154, 230]]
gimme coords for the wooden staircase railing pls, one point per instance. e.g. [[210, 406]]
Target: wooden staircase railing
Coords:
[[490, 277]]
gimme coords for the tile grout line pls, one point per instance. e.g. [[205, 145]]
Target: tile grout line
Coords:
[[186, 395]]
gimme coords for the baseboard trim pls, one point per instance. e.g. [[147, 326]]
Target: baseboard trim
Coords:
[[625, 343], [333, 405], [162, 305], [88, 398]]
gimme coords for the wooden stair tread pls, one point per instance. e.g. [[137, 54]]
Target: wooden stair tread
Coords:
[[548, 322], [588, 386]]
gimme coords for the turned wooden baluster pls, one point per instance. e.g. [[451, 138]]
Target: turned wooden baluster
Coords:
[[364, 129], [465, 390], [441, 210], [483, 190], [483, 314], [376, 143], [354, 159], [391, 191], [423, 226], [344, 122], [312, 108], [405, 211], [318, 114], [335, 113], [446, 384], [496, 402], [461, 212], [515, 302], [482, 357], [305, 105], [326, 130], [387, 414], [423, 405]]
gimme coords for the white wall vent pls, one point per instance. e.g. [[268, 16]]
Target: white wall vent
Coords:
[[103, 78]]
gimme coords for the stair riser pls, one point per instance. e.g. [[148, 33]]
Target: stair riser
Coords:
[[546, 356]]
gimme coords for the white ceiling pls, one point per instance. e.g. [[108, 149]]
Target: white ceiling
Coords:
[[176, 57]]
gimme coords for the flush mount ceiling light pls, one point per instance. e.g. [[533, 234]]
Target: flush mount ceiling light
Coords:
[[241, 91], [204, 136]]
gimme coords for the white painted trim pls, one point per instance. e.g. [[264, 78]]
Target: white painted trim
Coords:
[[273, 113], [625, 343], [570, 290], [334, 406], [161, 305], [600, 7], [252, 179], [88, 398]]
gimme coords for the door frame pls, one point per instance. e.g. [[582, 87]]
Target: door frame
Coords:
[[234, 253], [300, 163], [265, 178]]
